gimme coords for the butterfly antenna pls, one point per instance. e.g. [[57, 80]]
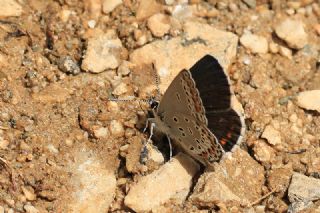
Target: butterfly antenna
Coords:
[[157, 81]]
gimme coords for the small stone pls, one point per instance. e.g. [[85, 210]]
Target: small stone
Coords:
[[147, 8], [109, 5], [116, 128], [30, 209], [273, 47], [255, 43], [250, 3], [24, 146], [159, 187], [1, 209], [293, 33], [182, 11], [124, 68], [286, 52], [52, 149], [101, 132], [69, 142], [272, 135], [159, 24], [263, 152], [290, 11], [309, 100], [113, 106], [233, 7], [303, 188], [169, 2], [120, 89], [155, 155], [10, 8], [317, 29], [92, 23], [4, 143], [68, 65], [103, 53], [30, 195]]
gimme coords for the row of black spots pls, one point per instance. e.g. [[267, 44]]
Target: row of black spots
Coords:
[[183, 134], [190, 131]]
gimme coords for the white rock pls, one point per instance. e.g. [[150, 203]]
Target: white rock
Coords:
[[93, 184], [120, 89], [272, 135], [116, 128], [198, 40], [110, 5], [255, 43], [309, 100], [286, 52], [172, 181], [10, 8], [101, 132], [293, 33], [303, 188], [102, 53], [159, 24]]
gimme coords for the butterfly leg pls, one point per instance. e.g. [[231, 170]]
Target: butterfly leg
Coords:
[[146, 126], [170, 147], [151, 131]]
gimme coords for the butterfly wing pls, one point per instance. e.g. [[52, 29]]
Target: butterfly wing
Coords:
[[214, 89], [183, 97]]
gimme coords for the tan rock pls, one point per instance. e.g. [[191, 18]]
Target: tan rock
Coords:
[[159, 24], [237, 178], [309, 100], [263, 152], [293, 33], [147, 8], [198, 36], [29, 193], [10, 8], [272, 135], [172, 181], [30, 209], [116, 128], [110, 5], [103, 52], [54, 93]]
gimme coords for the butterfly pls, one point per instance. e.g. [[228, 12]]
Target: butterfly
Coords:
[[195, 112]]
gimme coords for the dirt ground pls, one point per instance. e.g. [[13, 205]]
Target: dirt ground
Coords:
[[65, 147]]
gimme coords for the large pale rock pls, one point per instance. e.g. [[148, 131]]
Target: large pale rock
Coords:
[[103, 53], [94, 185], [293, 33], [10, 8], [237, 178], [171, 56], [172, 181], [309, 100]]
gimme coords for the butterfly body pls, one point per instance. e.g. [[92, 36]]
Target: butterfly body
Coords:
[[195, 111]]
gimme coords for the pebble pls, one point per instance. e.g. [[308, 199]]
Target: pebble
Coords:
[[102, 53], [69, 142], [234, 169], [159, 187], [159, 24], [120, 89], [303, 188], [147, 8], [68, 65], [317, 29], [273, 47], [10, 8], [92, 24], [1, 209], [155, 155], [286, 52], [30, 195], [4, 143], [109, 5], [272, 135], [116, 128], [182, 11], [52, 149], [263, 152], [255, 43], [30, 209], [292, 32], [309, 100], [124, 68], [250, 3], [169, 2], [101, 132], [233, 7]]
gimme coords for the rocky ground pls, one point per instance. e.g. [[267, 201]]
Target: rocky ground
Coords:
[[65, 147]]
